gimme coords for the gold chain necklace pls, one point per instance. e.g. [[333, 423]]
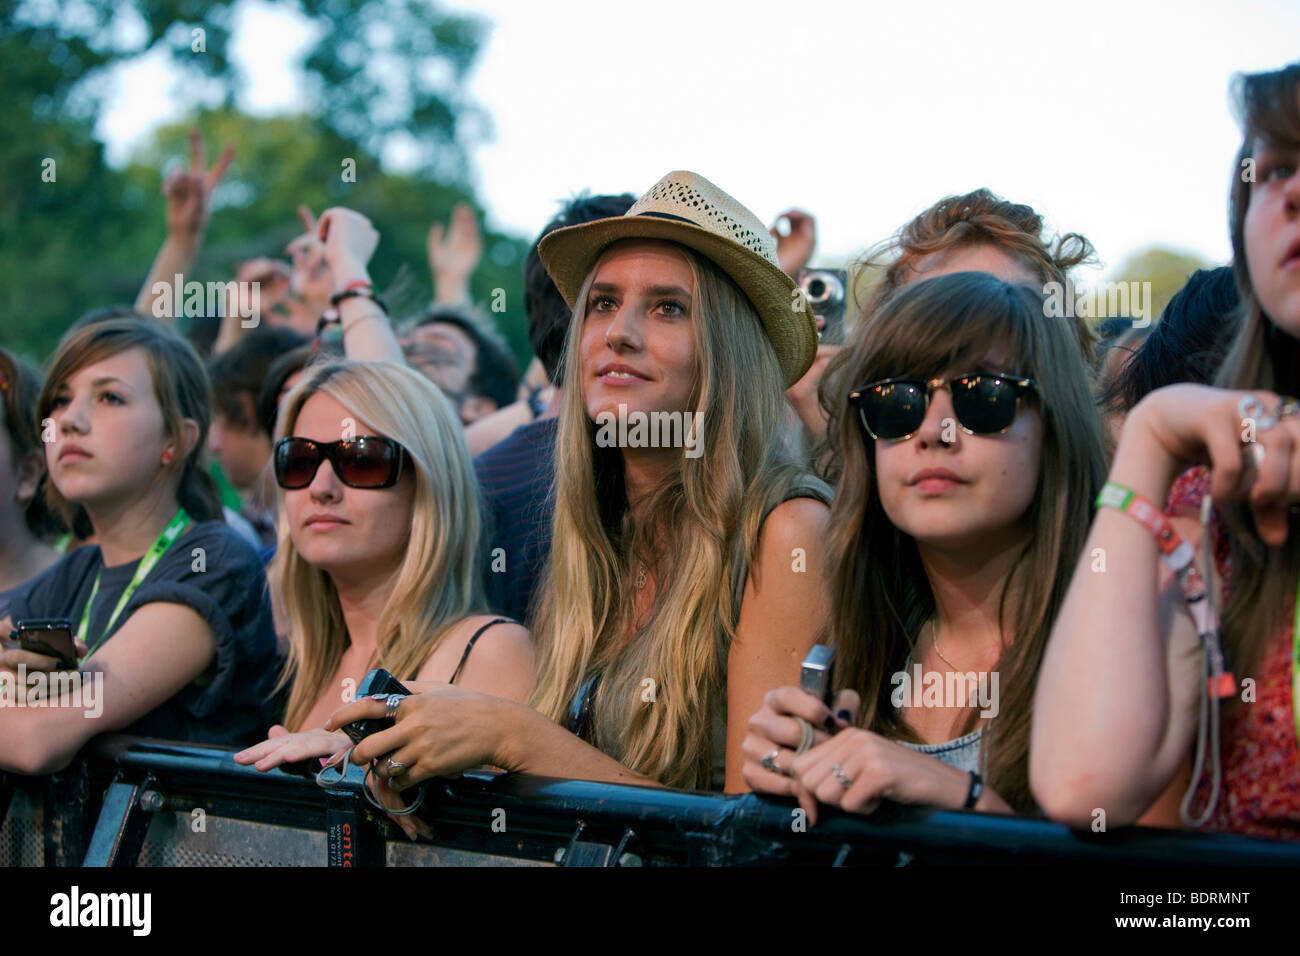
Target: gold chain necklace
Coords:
[[934, 636]]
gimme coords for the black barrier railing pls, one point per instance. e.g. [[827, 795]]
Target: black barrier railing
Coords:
[[105, 808]]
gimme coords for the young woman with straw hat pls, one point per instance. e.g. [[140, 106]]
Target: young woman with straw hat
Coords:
[[683, 582]]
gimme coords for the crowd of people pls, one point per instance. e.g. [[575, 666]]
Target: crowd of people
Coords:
[[1055, 560]]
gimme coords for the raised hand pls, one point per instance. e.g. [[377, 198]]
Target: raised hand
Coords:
[[454, 254], [1250, 440], [188, 190], [349, 240], [310, 279], [794, 249]]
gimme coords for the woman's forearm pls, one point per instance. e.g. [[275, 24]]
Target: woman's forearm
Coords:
[[531, 743], [174, 258], [1107, 731]]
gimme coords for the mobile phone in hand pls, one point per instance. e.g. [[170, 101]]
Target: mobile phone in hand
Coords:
[[817, 676], [49, 636]]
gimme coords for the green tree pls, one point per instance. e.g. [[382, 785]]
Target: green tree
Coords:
[[75, 233], [1166, 269]]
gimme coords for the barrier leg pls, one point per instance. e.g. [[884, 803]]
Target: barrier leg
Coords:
[[120, 830]]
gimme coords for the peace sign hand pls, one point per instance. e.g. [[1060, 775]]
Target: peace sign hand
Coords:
[[188, 190]]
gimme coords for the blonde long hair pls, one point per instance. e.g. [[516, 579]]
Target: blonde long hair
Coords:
[[437, 584], [707, 516]]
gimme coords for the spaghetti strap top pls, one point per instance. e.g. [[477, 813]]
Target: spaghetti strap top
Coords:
[[469, 646]]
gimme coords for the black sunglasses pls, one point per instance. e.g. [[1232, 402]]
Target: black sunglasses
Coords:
[[984, 403], [363, 462]]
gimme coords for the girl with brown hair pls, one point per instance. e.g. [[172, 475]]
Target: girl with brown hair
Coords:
[[169, 606], [1138, 666], [971, 450]]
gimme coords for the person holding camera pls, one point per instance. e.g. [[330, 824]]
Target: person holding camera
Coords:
[[971, 451], [683, 581], [172, 625]]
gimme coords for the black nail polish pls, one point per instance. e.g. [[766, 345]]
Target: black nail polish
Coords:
[[829, 723], [844, 715]]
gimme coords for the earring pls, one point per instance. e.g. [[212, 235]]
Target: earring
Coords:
[[167, 456]]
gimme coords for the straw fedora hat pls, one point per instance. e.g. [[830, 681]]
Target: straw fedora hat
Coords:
[[686, 208]]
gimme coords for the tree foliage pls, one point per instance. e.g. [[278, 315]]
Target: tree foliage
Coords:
[[76, 233]]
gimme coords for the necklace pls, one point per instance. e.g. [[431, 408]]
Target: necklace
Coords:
[[934, 636]]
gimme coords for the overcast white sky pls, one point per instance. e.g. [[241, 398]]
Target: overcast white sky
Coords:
[[1109, 117]]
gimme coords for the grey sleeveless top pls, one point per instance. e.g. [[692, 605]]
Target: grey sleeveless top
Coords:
[[805, 486]]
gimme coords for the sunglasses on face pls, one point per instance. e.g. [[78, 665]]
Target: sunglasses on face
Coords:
[[984, 403], [364, 462]]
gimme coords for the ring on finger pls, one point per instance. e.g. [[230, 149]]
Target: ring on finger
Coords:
[[1251, 408], [1287, 407], [805, 736], [1254, 454], [769, 761], [395, 769], [838, 772], [391, 704]]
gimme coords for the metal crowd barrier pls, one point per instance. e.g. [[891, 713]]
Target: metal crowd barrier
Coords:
[[131, 801]]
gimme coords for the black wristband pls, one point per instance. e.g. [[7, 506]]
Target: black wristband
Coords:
[[973, 794], [366, 293]]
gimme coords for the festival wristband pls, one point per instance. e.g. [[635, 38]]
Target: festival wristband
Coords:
[[1177, 554]]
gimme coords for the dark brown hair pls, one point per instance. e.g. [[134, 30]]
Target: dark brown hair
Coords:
[[880, 595], [1263, 357], [180, 386], [19, 388]]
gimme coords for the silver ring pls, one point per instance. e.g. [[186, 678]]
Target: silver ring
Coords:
[[769, 762], [1286, 407], [838, 771], [805, 736], [1251, 408], [395, 769], [391, 704]]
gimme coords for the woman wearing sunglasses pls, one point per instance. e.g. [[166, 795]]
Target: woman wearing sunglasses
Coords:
[[169, 606], [377, 563], [971, 451], [1170, 654], [685, 577]]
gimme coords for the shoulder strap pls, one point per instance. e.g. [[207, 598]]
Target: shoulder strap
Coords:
[[469, 646]]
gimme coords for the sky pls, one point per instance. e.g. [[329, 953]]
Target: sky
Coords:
[[1110, 118]]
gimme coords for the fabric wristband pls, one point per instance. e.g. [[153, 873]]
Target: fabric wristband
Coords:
[[1177, 555]]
